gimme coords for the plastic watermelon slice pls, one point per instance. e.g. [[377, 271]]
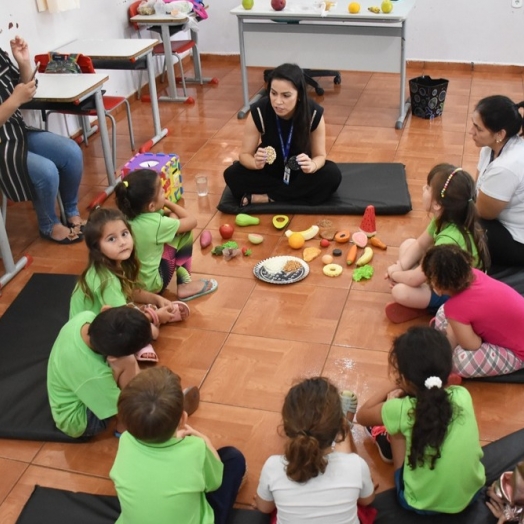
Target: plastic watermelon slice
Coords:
[[368, 224]]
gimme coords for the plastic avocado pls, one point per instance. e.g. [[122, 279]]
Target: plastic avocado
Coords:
[[246, 220], [280, 221]]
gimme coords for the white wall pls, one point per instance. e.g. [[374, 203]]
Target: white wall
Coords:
[[480, 31]]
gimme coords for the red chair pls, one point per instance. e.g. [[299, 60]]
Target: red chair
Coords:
[[177, 47], [111, 103]]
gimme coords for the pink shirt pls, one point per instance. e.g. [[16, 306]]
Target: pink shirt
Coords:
[[494, 310]]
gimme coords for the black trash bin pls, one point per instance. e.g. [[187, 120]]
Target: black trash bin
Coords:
[[427, 96]]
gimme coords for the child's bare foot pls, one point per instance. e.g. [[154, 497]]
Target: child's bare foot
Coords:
[[196, 288]]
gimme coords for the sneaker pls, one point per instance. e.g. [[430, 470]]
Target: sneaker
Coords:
[[381, 438]]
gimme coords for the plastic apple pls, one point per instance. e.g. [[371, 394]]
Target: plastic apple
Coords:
[[226, 231], [247, 4], [278, 5], [387, 6]]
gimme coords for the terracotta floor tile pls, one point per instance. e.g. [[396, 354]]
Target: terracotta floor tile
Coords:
[[21, 450], [11, 473], [244, 373]]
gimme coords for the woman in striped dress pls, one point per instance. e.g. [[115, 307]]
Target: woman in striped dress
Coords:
[[35, 164]]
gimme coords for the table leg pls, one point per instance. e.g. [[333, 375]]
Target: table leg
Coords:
[[104, 136], [197, 66], [171, 80], [243, 71], [11, 269], [404, 104], [159, 132]]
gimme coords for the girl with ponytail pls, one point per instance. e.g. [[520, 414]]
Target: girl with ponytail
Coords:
[[431, 426]]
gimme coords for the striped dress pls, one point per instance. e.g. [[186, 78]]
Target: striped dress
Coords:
[[14, 177]]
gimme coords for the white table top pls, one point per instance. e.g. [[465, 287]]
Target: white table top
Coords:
[[310, 9], [67, 87], [117, 48], [160, 19]]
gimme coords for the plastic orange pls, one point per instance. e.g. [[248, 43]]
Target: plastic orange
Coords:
[[354, 8], [296, 240]]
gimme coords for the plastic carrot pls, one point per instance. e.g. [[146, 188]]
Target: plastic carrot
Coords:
[[375, 241], [352, 255]]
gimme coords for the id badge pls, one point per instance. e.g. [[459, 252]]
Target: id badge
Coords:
[[287, 175]]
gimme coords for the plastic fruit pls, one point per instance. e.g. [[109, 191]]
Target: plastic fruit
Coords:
[[324, 242], [226, 231], [327, 259], [374, 9], [368, 224], [280, 221], [296, 240], [354, 8], [247, 4], [366, 257], [376, 242], [205, 239], [246, 220], [308, 234], [360, 239], [278, 5], [255, 238], [342, 237], [387, 6]]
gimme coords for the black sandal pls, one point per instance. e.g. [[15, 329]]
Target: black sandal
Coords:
[[67, 240]]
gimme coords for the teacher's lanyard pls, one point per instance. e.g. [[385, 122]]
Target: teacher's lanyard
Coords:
[[285, 150]]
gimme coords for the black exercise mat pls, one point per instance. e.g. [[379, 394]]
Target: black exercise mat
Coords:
[[511, 378], [28, 330], [512, 276], [63, 507], [499, 456], [382, 185], [56, 506]]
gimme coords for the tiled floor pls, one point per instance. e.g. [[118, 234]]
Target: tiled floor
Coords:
[[247, 343]]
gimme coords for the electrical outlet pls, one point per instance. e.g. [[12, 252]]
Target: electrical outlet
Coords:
[[516, 3]]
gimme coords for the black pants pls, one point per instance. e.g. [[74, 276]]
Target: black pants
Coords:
[[309, 189], [224, 497], [504, 251]]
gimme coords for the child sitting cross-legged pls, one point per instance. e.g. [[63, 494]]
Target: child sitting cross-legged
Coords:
[[165, 471], [432, 428]]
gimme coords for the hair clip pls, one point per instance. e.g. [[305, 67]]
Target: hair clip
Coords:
[[126, 183], [433, 382], [446, 184]]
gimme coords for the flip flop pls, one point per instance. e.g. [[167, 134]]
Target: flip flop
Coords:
[[142, 355], [177, 315], [191, 399], [397, 313], [214, 286]]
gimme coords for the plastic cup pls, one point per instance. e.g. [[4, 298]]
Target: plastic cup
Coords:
[[201, 185]]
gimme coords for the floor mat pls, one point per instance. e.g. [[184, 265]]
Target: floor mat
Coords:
[[28, 330], [382, 185], [63, 507], [499, 456]]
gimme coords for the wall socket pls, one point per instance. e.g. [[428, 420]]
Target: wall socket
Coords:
[[516, 3]]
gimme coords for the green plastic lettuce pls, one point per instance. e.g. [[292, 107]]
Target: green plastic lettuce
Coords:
[[364, 272]]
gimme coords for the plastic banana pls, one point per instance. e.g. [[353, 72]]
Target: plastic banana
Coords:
[[308, 234], [366, 257], [374, 9]]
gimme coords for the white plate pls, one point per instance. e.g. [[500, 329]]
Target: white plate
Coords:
[[280, 277]]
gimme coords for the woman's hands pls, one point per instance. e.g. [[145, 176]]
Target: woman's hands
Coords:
[[20, 50], [307, 165], [23, 93]]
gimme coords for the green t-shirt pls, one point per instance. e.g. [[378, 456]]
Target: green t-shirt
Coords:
[[151, 231], [106, 290], [458, 473], [450, 234], [165, 483], [77, 379]]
